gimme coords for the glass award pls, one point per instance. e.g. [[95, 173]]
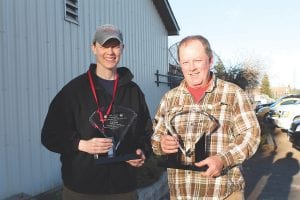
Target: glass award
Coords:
[[183, 125], [115, 126]]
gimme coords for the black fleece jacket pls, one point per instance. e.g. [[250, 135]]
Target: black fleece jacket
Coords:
[[67, 122]]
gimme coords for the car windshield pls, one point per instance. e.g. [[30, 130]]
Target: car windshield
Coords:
[[276, 102], [297, 102], [285, 101]]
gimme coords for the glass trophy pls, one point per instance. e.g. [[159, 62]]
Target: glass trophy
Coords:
[[115, 127], [183, 125]]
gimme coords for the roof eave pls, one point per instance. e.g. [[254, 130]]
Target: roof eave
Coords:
[[164, 10]]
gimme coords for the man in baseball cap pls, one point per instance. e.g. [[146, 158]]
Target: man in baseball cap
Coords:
[[77, 115]]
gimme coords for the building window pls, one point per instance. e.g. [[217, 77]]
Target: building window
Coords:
[[71, 11]]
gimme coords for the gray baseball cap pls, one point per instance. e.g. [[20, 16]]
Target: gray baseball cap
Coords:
[[108, 31]]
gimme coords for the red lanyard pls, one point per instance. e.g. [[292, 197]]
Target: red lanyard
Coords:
[[101, 117]]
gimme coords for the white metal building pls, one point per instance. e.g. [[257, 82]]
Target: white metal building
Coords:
[[46, 43]]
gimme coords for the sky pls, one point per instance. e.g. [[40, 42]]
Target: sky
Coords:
[[267, 31]]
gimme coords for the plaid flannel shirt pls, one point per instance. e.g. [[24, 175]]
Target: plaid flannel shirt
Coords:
[[236, 139]]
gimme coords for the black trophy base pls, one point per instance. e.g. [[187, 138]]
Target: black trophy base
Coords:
[[121, 158], [174, 160], [191, 167]]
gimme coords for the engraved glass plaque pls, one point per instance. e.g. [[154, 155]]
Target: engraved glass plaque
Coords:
[[184, 126], [115, 127]]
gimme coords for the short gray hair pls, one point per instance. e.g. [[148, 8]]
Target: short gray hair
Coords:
[[199, 38]]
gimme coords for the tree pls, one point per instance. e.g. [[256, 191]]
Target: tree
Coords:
[[244, 74], [265, 86], [219, 70]]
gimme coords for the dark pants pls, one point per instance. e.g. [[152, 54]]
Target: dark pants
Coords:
[[71, 195]]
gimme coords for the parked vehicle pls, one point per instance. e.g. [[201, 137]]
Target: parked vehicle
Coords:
[[263, 112], [261, 100], [283, 116], [259, 106], [294, 134]]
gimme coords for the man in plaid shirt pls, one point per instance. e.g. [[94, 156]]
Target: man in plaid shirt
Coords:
[[216, 110]]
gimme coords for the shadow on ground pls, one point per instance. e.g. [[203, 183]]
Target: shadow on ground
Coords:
[[269, 173]]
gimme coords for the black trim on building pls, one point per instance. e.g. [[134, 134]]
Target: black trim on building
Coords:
[[164, 10]]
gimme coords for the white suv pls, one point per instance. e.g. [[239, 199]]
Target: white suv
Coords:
[[284, 115]]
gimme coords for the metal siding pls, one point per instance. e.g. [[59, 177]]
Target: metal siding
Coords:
[[32, 93], [49, 167], [146, 49], [3, 93], [21, 106], [11, 174], [42, 94], [40, 52]]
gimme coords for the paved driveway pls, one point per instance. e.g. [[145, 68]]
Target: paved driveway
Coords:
[[273, 173]]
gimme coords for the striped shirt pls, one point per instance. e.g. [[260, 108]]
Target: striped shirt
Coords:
[[235, 139]]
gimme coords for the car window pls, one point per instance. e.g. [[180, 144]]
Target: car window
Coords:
[[289, 102]]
